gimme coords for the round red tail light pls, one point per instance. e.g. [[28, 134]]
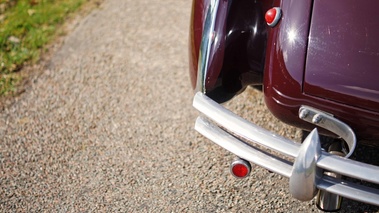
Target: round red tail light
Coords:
[[273, 16], [240, 168]]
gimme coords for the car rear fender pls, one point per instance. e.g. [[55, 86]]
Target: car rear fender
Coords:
[[227, 46]]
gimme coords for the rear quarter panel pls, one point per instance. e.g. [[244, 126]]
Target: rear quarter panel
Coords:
[[284, 75]]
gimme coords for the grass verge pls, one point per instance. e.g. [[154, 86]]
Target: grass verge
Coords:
[[26, 26]]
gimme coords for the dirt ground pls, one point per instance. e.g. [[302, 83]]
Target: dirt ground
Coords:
[[107, 126]]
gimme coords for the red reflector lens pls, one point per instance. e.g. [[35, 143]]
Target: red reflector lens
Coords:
[[270, 15], [273, 16], [240, 170]]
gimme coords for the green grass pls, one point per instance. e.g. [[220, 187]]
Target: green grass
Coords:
[[25, 28]]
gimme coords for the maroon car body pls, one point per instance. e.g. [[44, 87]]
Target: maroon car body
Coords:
[[321, 54], [336, 52]]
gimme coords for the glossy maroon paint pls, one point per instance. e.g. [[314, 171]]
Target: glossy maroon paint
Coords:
[[284, 73], [343, 53]]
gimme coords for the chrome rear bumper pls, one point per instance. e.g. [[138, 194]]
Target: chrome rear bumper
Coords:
[[305, 173]]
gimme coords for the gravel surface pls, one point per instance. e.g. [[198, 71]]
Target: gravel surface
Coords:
[[108, 127]]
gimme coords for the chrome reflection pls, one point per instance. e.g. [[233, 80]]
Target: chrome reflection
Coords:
[[205, 45], [251, 137], [330, 123], [305, 173]]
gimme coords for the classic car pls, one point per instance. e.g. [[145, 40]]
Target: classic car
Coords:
[[316, 62]]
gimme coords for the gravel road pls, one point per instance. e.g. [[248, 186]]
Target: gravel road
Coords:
[[108, 127]]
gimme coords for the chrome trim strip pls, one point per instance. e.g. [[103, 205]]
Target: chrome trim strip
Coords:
[[245, 130], [205, 46]]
